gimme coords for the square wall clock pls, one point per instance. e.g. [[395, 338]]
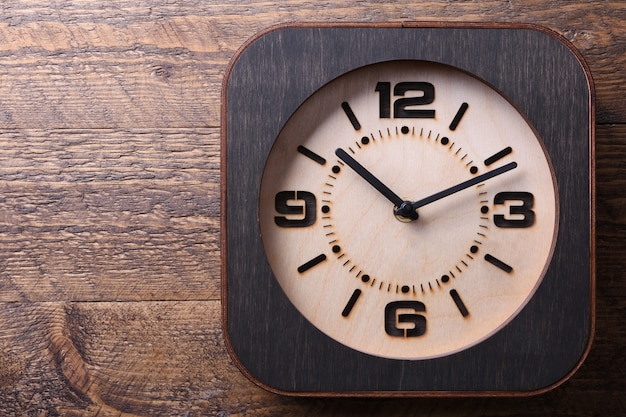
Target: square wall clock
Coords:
[[407, 209]]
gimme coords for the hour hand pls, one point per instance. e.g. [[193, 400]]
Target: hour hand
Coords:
[[403, 208], [462, 186]]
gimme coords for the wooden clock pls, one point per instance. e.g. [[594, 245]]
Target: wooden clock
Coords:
[[408, 209]]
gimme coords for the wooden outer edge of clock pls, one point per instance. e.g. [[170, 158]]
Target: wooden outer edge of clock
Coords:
[[405, 24]]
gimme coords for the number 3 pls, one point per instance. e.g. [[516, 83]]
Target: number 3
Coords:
[[524, 210]]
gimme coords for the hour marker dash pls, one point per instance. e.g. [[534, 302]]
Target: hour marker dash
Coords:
[[457, 117], [498, 155], [459, 303], [312, 155], [497, 262], [351, 302], [310, 264], [348, 110]]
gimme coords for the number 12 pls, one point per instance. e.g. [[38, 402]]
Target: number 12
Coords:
[[401, 106]]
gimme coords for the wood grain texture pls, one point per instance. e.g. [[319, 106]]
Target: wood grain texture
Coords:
[[109, 171], [109, 214]]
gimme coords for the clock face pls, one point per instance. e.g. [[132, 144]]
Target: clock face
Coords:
[[408, 210]]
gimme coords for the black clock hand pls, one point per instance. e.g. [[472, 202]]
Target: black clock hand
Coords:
[[464, 185], [403, 207]]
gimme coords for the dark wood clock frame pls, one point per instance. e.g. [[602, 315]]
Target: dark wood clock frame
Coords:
[[272, 343]]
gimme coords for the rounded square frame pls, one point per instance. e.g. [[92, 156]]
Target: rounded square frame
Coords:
[[542, 74]]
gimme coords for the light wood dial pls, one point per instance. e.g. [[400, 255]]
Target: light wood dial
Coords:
[[410, 283]]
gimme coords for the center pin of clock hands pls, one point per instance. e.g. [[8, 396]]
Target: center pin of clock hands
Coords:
[[408, 209], [402, 208]]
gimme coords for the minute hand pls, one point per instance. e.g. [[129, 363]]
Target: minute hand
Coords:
[[464, 185], [369, 177]]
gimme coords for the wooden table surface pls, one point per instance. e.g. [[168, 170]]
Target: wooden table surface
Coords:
[[110, 204]]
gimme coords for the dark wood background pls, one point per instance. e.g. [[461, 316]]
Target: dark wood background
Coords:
[[110, 204]]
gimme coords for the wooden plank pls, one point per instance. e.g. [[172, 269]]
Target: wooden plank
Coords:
[[127, 64], [93, 89], [72, 156], [109, 215]]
